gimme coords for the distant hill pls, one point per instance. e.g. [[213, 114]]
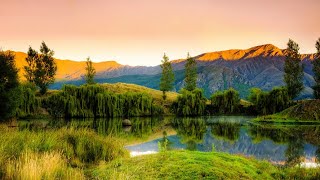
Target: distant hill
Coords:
[[260, 66]]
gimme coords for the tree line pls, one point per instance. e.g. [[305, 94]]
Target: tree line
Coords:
[[41, 70]]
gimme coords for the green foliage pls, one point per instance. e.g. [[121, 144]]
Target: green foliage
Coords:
[[29, 104], [9, 86], [316, 71], [190, 73], [41, 67], [293, 69], [167, 78], [90, 72], [96, 101], [31, 68], [226, 102], [269, 102], [190, 103]]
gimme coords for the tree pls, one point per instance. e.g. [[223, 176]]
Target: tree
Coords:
[[31, 68], [9, 86], [90, 72], [316, 70], [190, 74], [41, 67], [167, 78], [293, 70]]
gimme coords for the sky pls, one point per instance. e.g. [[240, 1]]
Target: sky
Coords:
[[138, 32]]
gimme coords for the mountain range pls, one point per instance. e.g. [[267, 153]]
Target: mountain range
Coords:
[[260, 66]]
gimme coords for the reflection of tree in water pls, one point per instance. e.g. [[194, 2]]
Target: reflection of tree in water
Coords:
[[165, 142], [106, 126], [318, 154], [294, 136], [227, 130], [294, 152], [274, 133], [141, 127], [191, 131]]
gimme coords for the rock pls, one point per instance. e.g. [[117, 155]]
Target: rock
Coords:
[[126, 122], [127, 128]]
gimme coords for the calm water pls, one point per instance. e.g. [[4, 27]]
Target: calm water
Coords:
[[288, 144]]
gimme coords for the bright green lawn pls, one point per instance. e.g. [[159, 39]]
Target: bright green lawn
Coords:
[[187, 165]]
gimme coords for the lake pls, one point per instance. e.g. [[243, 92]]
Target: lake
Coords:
[[289, 144]]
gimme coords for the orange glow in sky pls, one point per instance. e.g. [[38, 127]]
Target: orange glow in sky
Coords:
[[138, 32]]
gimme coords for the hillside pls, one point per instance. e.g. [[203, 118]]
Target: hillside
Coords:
[[260, 66], [304, 111], [120, 88]]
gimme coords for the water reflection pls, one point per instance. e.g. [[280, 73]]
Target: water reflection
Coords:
[[228, 131], [141, 127], [281, 144], [190, 130]]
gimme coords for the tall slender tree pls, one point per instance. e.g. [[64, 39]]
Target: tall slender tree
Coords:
[[293, 69], [167, 78], [90, 72], [190, 73], [41, 67], [30, 69], [9, 86], [316, 70]]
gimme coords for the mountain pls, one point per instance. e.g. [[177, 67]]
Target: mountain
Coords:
[[260, 66], [67, 69]]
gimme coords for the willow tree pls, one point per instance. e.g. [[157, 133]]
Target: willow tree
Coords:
[[269, 102], [167, 78], [190, 103], [293, 70], [41, 67], [190, 73], [90, 72], [227, 101], [9, 86], [316, 71]]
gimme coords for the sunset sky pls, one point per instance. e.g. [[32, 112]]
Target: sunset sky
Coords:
[[138, 32]]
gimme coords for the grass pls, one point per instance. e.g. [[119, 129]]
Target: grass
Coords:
[[72, 148], [186, 165], [37, 166], [69, 153], [156, 94], [307, 111]]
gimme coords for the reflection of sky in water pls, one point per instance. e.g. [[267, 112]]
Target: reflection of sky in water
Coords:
[[264, 149]]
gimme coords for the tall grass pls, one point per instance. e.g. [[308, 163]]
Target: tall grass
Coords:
[[37, 166], [77, 147]]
